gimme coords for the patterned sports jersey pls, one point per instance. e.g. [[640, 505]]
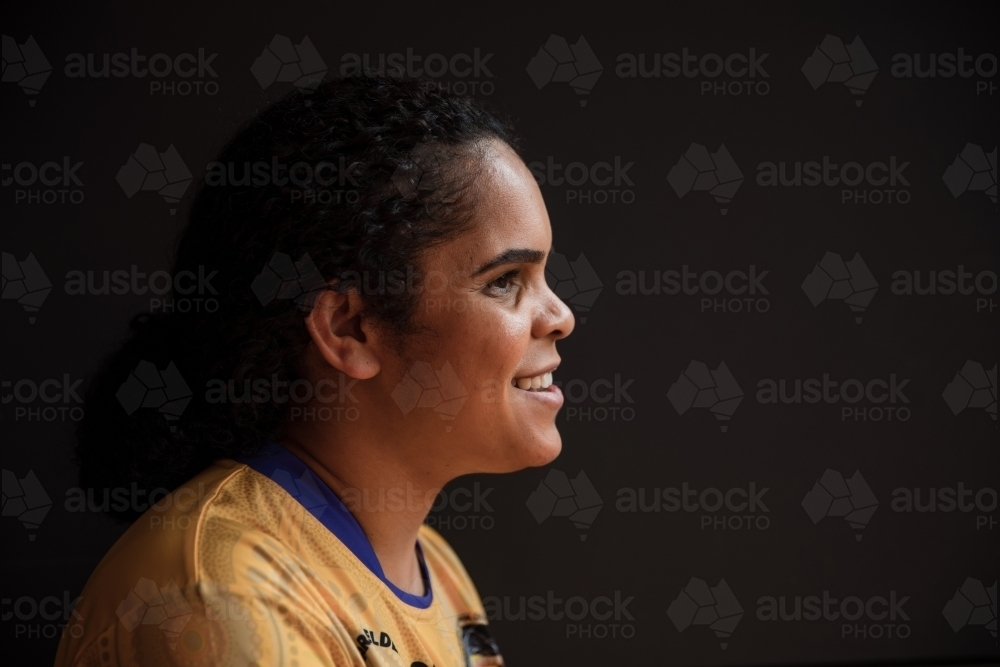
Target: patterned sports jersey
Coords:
[[258, 562]]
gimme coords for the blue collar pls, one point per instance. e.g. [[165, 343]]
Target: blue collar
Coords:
[[294, 476]]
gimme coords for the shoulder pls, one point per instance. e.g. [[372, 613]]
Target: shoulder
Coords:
[[224, 553], [162, 542]]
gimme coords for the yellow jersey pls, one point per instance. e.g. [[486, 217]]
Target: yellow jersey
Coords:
[[258, 562]]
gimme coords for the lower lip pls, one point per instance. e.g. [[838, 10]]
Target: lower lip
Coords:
[[551, 395]]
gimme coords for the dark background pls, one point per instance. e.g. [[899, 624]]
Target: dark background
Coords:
[[651, 122]]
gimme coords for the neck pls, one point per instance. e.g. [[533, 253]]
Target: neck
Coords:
[[389, 499]]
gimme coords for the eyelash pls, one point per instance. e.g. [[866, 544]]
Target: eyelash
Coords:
[[509, 276]]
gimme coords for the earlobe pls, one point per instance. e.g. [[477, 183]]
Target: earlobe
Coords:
[[339, 333]]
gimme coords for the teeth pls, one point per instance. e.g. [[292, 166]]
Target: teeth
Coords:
[[542, 381]]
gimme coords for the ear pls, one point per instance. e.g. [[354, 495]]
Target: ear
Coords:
[[341, 335]]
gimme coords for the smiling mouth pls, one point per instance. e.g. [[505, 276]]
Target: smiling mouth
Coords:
[[541, 382]]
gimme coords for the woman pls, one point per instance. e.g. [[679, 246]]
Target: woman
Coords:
[[383, 326]]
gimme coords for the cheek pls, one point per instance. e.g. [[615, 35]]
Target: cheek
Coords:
[[505, 337], [484, 340], [490, 340]]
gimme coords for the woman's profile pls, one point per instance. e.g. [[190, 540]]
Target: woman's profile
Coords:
[[383, 327]]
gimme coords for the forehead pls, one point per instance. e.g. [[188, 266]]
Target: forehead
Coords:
[[509, 211]]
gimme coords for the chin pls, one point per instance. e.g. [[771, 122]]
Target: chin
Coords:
[[540, 450], [511, 450]]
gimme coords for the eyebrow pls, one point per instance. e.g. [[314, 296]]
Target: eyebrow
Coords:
[[512, 256]]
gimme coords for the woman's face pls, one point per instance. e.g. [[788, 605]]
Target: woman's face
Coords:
[[490, 317]]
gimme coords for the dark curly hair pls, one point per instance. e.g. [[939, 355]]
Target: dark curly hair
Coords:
[[399, 154]]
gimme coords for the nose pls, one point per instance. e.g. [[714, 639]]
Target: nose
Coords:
[[555, 319]]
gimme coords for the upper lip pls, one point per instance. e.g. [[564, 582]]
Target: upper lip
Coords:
[[548, 369]]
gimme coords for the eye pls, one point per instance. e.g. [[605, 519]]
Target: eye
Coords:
[[504, 283]]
